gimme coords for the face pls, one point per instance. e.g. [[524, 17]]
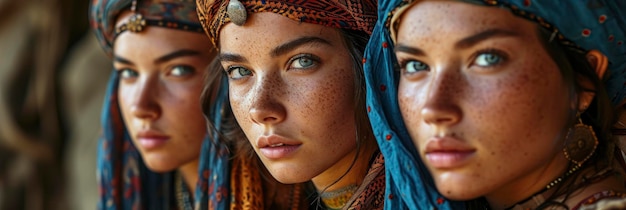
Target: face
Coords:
[[292, 92], [483, 101], [161, 75]]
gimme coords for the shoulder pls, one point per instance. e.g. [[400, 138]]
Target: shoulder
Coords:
[[606, 200]]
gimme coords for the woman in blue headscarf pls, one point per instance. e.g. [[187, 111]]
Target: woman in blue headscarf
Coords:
[[506, 104], [154, 153]]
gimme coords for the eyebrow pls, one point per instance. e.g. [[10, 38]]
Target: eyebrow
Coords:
[[464, 43], [278, 51], [162, 59], [231, 57], [291, 45], [477, 38], [409, 50], [176, 54]]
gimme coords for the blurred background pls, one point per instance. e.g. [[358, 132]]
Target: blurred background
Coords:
[[52, 82]]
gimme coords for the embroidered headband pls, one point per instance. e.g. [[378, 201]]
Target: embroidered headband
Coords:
[[346, 14], [174, 14], [582, 25]]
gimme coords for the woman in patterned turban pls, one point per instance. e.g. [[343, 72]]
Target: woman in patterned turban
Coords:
[[155, 152], [295, 82]]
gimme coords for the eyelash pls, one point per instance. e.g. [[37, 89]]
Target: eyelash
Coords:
[[503, 56], [311, 57], [404, 61]]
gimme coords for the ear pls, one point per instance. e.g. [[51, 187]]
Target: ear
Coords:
[[599, 62]]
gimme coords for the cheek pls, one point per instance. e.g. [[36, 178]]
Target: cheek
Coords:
[[125, 96], [239, 104], [408, 102]]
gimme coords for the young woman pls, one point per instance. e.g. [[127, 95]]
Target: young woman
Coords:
[[153, 122], [504, 100], [295, 87]]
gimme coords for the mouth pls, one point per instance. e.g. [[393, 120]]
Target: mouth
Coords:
[[277, 147], [448, 152], [151, 139]]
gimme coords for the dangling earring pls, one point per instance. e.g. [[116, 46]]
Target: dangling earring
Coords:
[[580, 144]]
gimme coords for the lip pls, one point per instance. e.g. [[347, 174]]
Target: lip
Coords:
[[277, 147], [448, 152], [151, 139]]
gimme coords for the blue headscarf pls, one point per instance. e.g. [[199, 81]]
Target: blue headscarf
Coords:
[[124, 180], [408, 183], [581, 24]]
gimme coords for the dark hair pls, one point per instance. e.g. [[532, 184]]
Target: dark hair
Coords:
[[575, 69]]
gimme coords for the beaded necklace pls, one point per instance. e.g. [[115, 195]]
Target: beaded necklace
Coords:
[[183, 198], [538, 197], [338, 198]]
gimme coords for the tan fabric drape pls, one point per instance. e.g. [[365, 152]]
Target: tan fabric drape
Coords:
[[34, 38]]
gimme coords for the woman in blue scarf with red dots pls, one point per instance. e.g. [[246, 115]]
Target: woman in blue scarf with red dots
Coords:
[[507, 104]]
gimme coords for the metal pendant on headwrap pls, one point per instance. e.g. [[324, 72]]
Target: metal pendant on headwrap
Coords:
[[236, 12], [135, 23], [580, 144]]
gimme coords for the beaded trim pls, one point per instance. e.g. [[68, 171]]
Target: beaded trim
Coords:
[[183, 198], [137, 24]]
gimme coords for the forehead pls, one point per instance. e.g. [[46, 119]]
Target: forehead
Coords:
[[265, 30], [449, 18], [160, 39]]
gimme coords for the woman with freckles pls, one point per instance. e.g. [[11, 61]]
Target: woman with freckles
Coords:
[[296, 90], [507, 104], [154, 153]]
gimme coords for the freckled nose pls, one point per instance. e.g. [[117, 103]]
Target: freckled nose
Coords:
[[437, 113], [145, 104], [266, 107], [440, 107]]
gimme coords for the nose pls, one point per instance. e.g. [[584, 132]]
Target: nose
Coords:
[[145, 100], [440, 107], [266, 106]]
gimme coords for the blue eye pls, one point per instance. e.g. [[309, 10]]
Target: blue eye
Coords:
[[180, 71], [127, 73], [487, 59], [238, 72], [302, 62], [415, 66]]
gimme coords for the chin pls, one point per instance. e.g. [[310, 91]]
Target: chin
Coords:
[[159, 166], [287, 175], [459, 192]]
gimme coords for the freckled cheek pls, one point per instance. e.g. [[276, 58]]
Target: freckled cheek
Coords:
[[409, 103], [240, 105]]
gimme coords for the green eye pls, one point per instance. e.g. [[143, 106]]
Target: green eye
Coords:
[[487, 59], [180, 71], [127, 74], [415, 66], [302, 62], [238, 72]]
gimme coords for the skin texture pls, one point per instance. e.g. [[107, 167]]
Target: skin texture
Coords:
[[306, 101], [161, 78], [489, 114]]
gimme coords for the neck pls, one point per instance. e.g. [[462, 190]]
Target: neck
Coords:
[[329, 180], [331, 183], [527, 186], [189, 172]]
